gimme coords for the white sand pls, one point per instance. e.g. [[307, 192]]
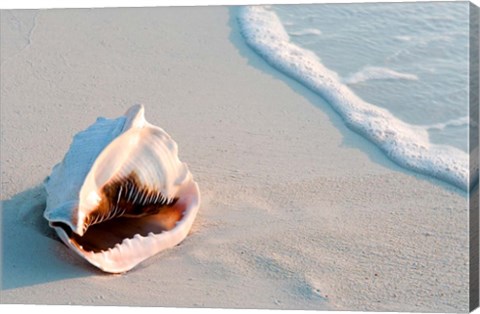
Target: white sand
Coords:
[[298, 212]]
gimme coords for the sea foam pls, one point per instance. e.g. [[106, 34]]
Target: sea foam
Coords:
[[307, 32], [378, 73], [407, 145]]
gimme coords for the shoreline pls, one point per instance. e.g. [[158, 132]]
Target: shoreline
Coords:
[[405, 144], [293, 212]]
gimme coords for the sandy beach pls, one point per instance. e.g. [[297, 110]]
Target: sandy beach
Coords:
[[298, 211]]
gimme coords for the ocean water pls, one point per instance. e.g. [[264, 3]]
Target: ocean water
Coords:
[[397, 73]]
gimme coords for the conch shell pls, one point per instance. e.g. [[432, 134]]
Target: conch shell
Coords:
[[121, 195]]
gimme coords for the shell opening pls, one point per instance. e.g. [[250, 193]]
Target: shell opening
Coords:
[[126, 210]]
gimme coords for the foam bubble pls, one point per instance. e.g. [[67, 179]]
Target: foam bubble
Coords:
[[407, 145]]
